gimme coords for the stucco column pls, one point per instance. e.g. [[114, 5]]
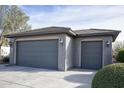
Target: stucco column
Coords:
[[12, 41], [61, 53]]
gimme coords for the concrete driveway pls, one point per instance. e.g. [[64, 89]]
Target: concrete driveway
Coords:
[[27, 77]]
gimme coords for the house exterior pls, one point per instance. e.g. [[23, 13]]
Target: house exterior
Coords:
[[5, 51], [62, 48]]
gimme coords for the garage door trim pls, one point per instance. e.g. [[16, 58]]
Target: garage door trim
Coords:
[[95, 40], [37, 40]]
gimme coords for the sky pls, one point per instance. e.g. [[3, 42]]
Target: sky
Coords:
[[77, 17]]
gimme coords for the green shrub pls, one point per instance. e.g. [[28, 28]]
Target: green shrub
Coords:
[[120, 56], [117, 46], [6, 59], [111, 76]]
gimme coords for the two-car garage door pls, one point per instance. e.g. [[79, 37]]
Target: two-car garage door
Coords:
[[40, 53]]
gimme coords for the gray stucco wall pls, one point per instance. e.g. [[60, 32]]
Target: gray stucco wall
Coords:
[[69, 52], [107, 51], [61, 47]]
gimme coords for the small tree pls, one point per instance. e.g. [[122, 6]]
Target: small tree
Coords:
[[117, 46], [12, 19], [3, 10], [15, 20]]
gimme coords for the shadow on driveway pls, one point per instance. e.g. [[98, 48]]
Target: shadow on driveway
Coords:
[[84, 79]]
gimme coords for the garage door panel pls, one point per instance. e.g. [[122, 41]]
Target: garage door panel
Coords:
[[43, 54], [91, 54]]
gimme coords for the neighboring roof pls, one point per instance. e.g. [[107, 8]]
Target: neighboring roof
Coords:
[[42, 31], [77, 33], [97, 32]]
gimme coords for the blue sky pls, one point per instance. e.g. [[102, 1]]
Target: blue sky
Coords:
[[77, 17]]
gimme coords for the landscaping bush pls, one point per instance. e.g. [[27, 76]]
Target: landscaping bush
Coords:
[[117, 46], [111, 76], [120, 56], [6, 59]]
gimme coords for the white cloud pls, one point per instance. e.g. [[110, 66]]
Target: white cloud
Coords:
[[81, 17]]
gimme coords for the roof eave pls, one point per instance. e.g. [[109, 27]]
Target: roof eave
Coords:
[[114, 34], [38, 33]]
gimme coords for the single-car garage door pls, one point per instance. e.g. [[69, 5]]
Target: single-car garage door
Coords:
[[91, 54], [41, 54]]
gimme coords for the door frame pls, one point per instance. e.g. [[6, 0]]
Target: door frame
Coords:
[[92, 40], [17, 41]]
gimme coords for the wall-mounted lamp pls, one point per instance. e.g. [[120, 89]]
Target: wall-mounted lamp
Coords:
[[107, 43], [61, 41], [10, 43]]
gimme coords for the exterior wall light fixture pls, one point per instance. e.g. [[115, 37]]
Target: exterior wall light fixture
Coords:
[[61, 41], [107, 43], [10, 43]]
